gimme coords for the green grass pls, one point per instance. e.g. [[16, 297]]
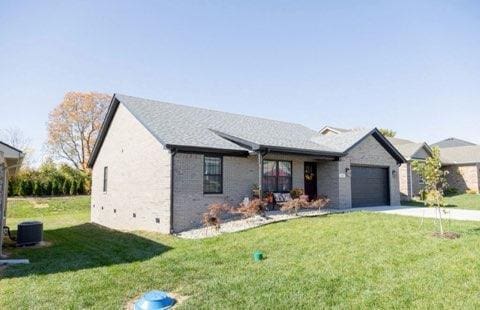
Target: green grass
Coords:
[[462, 201], [356, 260]]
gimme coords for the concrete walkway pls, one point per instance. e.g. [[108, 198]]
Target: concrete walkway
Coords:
[[447, 213]]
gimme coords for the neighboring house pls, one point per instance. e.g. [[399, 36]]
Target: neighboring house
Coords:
[[10, 161], [157, 166], [462, 161], [451, 142], [410, 182]]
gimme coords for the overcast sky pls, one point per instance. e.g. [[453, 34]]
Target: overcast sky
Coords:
[[413, 66]]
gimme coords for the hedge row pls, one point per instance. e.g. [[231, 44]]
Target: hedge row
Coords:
[[49, 180]]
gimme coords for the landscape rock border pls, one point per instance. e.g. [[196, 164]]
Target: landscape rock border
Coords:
[[249, 223]]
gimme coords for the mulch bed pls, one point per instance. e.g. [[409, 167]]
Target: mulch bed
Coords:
[[446, 235]]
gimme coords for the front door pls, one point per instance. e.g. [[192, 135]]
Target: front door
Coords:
[[310, 175]]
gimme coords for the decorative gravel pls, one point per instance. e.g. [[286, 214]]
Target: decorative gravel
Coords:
[[244, 224]]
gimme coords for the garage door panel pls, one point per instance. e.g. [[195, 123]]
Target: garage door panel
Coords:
[[370, 186]]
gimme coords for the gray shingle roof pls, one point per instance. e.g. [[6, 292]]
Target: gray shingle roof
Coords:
[[398, 141], [452, 142], [342, 141], [408, 148], [460, 155], [337, 129], [174, 124], [178, 126]]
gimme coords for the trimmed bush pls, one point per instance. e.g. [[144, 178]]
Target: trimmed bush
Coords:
[[49, 180]]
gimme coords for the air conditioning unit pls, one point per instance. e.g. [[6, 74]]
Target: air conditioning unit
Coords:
[[29, 233]]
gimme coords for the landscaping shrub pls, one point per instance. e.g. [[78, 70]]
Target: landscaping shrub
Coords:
[[251, 208], [320, 203], [49, 180], [213, 216], [296, 193], [292, 206]]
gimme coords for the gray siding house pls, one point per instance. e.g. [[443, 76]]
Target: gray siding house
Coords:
[[157, 166]]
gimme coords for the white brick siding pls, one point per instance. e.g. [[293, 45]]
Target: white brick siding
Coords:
[[138, 178]]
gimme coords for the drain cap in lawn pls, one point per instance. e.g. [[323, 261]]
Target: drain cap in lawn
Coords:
[[154, 300]]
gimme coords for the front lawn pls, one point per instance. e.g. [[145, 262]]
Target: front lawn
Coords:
[[462, 201], [355, 260]]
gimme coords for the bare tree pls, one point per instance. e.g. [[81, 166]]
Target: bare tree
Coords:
[[73, 126], [15, 137]]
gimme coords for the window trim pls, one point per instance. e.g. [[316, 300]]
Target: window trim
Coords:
[[105, 179], [220, 175], [277, 161]]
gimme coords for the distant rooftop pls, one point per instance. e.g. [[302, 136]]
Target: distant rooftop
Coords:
[[469, 154], [408, 148], [452, 142]]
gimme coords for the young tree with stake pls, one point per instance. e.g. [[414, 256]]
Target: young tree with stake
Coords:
[[435, 181]]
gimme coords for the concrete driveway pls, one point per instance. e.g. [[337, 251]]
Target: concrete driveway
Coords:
[[447, 213]]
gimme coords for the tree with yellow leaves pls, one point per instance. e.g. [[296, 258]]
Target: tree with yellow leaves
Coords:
[[73, 126]]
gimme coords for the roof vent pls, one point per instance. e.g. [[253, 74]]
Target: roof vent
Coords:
[[154, 300]]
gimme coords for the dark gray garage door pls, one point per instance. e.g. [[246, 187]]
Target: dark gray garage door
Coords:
[[370, 186]]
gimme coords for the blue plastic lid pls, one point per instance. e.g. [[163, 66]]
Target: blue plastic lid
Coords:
[[154, 300]]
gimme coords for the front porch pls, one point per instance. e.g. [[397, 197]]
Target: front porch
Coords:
[[316, 176]]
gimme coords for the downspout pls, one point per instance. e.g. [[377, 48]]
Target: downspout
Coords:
[[410, 177], [260, 172], [172, 173]]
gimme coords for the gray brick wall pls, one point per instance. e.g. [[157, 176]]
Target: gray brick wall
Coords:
[[138, 178], [328, 181], [370, 152], [239, 175]]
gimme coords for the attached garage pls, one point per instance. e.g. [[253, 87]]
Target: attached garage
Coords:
[[370, 186]]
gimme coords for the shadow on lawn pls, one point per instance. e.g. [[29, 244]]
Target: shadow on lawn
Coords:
[[82, 247], [420, 204]]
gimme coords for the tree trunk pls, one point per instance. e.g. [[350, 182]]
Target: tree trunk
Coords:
[[440, 220]]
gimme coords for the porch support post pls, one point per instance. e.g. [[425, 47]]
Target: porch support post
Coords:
[[260, 164]]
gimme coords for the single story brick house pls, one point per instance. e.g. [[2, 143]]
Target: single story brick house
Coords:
[[157, 166], [462, 161], [410, 182]]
